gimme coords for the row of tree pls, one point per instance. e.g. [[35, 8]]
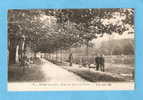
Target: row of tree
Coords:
[[51, 30]]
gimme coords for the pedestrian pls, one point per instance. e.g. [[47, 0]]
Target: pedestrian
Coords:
[[24, 62], [102, 61], [70, 59], [97, 61]]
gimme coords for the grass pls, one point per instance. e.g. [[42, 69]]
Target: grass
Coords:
[[33, 74], [113, 72], [95, 76]]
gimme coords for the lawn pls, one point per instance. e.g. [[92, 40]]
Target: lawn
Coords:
[[113, 73]]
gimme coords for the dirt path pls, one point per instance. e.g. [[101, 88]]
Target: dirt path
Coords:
[[54, 73]]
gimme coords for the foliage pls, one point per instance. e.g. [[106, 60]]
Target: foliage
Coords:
[[71, 27]]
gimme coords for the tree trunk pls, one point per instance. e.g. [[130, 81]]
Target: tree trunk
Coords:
[[17, 54], [56, 55], [12, 51], [61, 55], [35, 54], [87, 53], [70, 57], [52, 57]]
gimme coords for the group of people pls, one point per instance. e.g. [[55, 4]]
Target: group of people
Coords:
[[25, 62], [99, 62]]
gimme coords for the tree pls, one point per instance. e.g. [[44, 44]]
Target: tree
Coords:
[[57, 29], [25, 26]]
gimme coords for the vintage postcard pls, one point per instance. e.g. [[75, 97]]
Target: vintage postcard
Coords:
[[71, 49]]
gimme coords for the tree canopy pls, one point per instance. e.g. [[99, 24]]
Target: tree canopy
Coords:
[[52, 29]]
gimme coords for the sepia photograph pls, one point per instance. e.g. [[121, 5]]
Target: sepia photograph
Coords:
[[71, 49]]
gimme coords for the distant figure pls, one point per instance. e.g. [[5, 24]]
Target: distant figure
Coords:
[[102, 61], [31, 60], [24, 63], [97, 61], [70, 59]]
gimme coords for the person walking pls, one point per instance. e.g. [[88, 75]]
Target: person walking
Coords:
[[70, 59]]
